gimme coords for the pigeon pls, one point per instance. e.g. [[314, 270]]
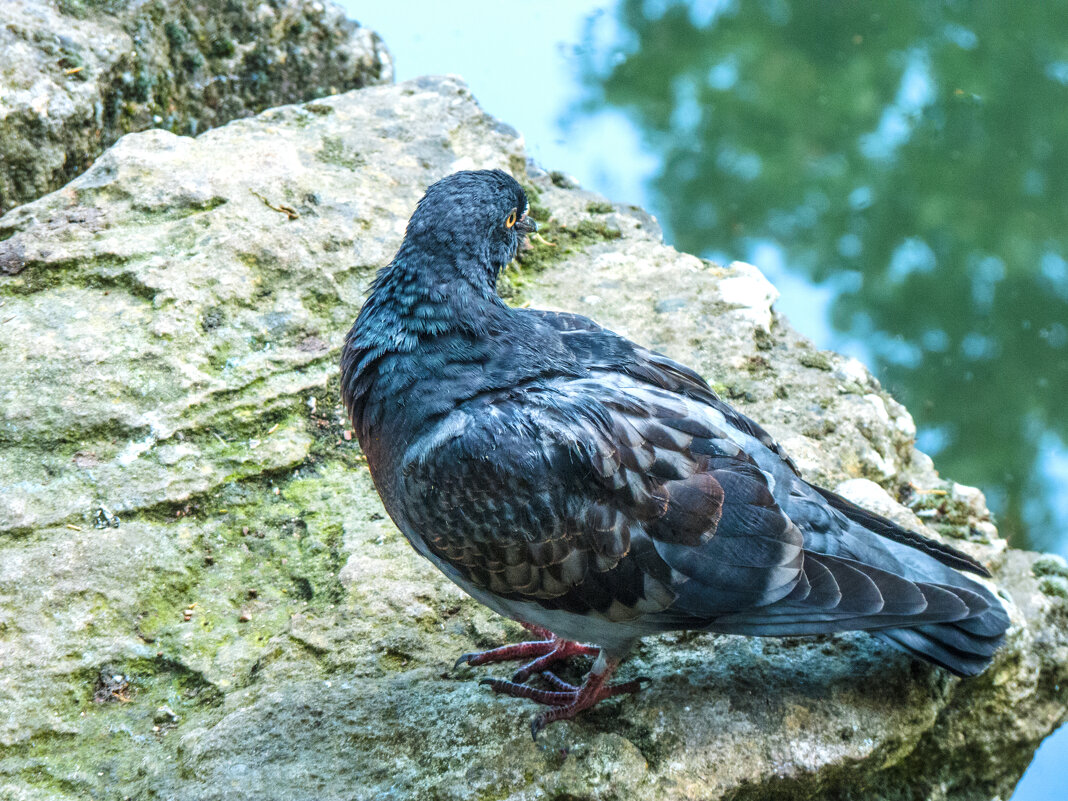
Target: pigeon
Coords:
[[598, 492]]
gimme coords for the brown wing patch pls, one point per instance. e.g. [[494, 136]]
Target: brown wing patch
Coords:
[[694, 507]]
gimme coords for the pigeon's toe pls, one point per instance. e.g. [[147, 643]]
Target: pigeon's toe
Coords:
[[541, 653], [564, 699]]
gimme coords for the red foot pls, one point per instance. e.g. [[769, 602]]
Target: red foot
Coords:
[[545, 652], [567, 700]]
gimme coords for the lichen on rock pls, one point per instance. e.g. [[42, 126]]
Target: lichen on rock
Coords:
[[201, 596]]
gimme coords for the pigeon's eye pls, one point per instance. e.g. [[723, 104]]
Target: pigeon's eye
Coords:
[[510, 220]]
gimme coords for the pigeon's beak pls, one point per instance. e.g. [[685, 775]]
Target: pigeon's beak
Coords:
[[526, 225]]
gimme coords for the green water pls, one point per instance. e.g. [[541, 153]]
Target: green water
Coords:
[[898, 169]]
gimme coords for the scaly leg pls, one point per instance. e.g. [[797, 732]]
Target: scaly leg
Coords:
[[567, 700], [545, 652]]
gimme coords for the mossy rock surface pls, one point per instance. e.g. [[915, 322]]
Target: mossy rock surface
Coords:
[[201, 596], [75, 75]]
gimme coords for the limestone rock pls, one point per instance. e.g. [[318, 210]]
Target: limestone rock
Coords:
[[202, 598], [75, 75]]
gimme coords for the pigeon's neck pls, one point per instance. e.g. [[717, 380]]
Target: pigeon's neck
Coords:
[[418, 297], [419, 315]]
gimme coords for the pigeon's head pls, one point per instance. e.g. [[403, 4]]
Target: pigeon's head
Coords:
[[475, 215]]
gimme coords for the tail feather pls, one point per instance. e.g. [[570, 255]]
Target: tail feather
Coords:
[[963, 623], [986, 625], [858, 571], [957, 625], [963, 647], [942, 644], [880, 525]]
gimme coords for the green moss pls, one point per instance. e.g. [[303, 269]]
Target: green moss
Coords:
[[257, 552], [73, 8], [80, 9], [740, 391], [819, 428], [334, 152], [600, 207], [758, 365], [1050, 565], [70, 60], [539, 213], [175, 33], [537, 210], [192, 61], [951, 530], [555, 244], [560, 179], [106, 273], [517, 165], [222, 47], [142, 86], [764, 340], [1056, 586], [151, 681], [112, 736], [565, 241], [947, 515], [816, 360]]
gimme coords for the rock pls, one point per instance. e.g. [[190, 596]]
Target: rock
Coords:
[[1050, 564], [865, 492], [971, 498], [75, 75], [752, 294], [180, 506]]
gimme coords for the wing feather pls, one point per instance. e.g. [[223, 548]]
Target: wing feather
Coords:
[[590, 498]]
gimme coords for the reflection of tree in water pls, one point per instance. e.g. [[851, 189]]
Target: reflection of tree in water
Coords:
[[920, 147]]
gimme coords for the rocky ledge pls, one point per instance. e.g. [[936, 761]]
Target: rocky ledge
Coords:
[[75, 75], [200, 594]]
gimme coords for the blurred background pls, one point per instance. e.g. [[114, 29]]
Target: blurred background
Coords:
[[898, 170]]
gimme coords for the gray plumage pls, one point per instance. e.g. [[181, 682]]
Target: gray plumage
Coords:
[[571, 479]]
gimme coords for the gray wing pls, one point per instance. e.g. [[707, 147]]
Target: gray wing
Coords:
[[602, 349], [602, 496]]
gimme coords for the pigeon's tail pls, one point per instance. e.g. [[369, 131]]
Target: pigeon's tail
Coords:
[[964, 647], [943, 617], [862, 572]]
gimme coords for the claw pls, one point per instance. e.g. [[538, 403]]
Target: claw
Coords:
[[563, 649], [566, 700], [538, 631], [558, 683], [464, 659]]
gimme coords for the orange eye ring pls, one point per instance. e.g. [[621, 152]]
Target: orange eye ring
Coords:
[[510, 221]]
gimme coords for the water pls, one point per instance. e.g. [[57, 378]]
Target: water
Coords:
[[900, 171]]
